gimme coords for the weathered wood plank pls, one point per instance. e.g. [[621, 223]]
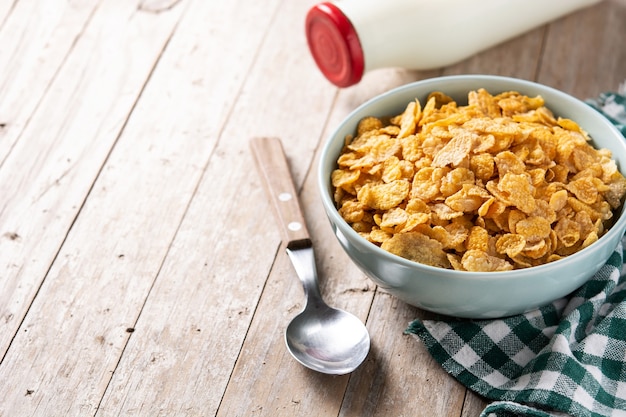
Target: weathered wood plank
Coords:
[[227, 243], [50, 171], [36, 38], [473, 404], [44, 183], [400, 377], [585, 53], [6, 7], [267, 381]]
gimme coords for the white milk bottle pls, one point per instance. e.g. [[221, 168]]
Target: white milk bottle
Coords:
[[349, 37]]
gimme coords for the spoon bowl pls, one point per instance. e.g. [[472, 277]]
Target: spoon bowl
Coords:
[[327, 340]]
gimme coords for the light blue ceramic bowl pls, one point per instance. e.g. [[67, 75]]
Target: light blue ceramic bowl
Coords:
[[473, 294]]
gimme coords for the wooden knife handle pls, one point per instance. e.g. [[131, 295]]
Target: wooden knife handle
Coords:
[[278, 183]]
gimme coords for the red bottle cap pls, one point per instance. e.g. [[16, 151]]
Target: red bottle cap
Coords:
[[334, 44]]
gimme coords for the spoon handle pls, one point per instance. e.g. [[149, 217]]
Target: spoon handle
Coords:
[[276, 177]]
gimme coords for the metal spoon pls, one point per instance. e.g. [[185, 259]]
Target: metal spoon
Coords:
[[321, 338]]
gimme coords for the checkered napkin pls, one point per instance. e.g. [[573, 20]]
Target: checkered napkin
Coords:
[[567, 358], [613, 106]]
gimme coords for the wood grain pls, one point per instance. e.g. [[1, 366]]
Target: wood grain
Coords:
[[228, 241], [392, 381], [275, 175], [45, 181], [36, 40], [6, 8], [584, 52]]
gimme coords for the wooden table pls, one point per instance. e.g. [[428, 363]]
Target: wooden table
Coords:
[[141, 271]]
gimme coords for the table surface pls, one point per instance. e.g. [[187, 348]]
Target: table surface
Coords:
[[141, 269]]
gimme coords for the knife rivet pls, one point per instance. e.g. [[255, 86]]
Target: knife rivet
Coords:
[[294, 226], [284, 196]]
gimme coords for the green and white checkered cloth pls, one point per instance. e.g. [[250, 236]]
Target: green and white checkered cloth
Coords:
[[567, 358], [613, 106]]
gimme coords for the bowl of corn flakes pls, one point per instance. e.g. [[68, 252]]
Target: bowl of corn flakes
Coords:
[[475, 196]]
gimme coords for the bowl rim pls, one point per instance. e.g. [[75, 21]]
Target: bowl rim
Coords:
[[324, 186]]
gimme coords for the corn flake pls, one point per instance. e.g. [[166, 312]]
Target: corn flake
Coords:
[[382, 196], [495, 185], [417, 247], [479, 261]]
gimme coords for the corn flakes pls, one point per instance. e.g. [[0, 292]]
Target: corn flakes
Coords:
[[498, 184], [419, 248]]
